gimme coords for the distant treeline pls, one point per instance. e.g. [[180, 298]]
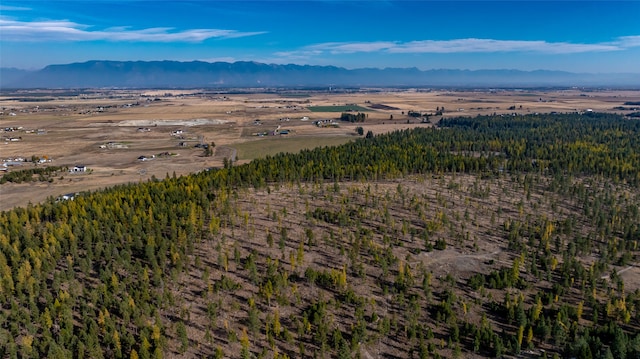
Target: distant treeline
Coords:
[[43, 174], [359, 117], [589, 144]]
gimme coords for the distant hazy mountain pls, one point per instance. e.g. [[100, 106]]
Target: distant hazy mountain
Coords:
[[173, 74], [9, 75]]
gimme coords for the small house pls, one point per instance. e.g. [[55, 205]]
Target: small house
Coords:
[[79, 169]]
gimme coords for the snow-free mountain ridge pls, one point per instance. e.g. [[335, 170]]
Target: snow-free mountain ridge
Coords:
[[199, 74]]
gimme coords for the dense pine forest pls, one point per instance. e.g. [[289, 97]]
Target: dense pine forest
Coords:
[[481, 237]]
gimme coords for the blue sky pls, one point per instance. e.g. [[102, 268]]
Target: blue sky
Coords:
[[577, 36]]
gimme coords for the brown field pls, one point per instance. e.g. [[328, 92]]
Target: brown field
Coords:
[[75, 127]]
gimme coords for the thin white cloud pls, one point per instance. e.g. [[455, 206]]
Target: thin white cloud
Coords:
[[64, 30], [216, 59], [628, 41], [13, 8], [470, 45], [347, 48], [489, 45]]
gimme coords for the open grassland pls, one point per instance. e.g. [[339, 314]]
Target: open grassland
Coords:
[[339, 108], [271, 146]]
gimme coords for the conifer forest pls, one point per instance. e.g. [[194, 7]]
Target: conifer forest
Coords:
[[488, 236]]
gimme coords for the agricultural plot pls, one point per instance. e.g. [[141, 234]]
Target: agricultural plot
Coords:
[[342, 108], [273, 145]]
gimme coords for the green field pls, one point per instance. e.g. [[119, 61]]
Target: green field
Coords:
[[345, 108], [273, 145]]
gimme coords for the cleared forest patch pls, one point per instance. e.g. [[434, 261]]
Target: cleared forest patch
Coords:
[[395, 259]]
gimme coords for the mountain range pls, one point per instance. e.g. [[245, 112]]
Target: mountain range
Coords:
[[199, 74]]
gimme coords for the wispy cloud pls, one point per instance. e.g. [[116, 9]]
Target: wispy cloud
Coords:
[[470, 45], [489, 45], [351, 47], [13, 8], [217, 59], [628, 41], [64, 30]]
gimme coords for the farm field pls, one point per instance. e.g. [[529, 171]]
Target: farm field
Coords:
[[339, 108], [108, 131], [271, 146]]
